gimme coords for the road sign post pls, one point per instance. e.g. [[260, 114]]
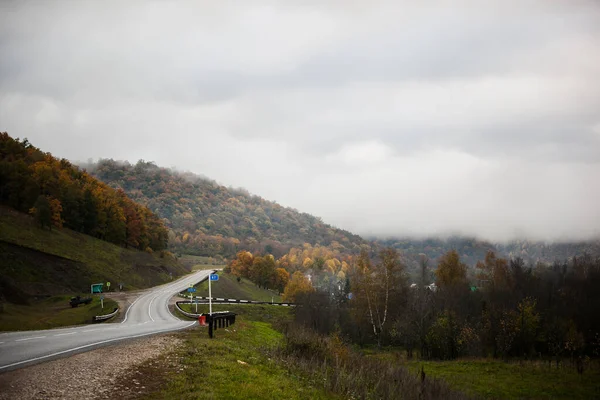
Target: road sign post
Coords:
[[108, 286], [102, 302], [191, 290], [211, 277]]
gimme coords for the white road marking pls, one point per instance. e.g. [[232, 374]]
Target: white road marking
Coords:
[[30, 338], [1, 342], [89, 330], [128, 308], [65, 334], [150, 309], [90, 345]]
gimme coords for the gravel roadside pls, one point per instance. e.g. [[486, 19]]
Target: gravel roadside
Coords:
[[106, 373]]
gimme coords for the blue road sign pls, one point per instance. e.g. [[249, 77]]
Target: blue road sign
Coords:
[[191, 289], [214, 277]]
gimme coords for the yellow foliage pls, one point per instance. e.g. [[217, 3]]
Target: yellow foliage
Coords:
[[299, 284]]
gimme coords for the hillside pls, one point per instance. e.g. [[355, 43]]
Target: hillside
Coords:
[[59, 194], [37, 262], [208, 219]]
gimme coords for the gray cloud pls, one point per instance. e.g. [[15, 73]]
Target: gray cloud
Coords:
[[381, 117]]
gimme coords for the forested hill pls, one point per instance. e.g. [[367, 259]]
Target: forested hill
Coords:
[[208, 219], [58, 193]]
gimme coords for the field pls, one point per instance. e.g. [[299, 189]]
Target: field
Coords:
[[228, 287], [236, 364], [514, 380], [50, 313]]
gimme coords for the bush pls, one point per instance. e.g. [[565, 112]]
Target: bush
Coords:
[[327, 361]]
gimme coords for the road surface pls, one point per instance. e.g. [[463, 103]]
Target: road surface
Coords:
[[148, 314]]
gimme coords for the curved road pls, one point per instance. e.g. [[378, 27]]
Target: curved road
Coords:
[[148, 314]]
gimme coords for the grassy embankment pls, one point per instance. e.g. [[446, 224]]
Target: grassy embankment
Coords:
[[42, 264], [238, 363], [50, 313], [229, 288], [199, 262], [298, 364]]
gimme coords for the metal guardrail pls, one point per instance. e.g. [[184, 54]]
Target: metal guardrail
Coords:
[[224, 301], [232, 301], [187, 314], [105, 317]]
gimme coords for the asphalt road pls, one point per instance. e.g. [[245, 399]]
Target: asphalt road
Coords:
[[148, 314]]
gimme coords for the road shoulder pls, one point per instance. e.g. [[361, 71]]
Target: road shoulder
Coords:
[[99, 374]]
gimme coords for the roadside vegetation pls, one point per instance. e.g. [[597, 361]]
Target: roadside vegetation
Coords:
[[239, 362], [229, 287], [497, 379], [53, 312], [38, 262], [40, 270], [280, 360]]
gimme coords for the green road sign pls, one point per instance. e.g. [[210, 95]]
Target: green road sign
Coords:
[[107, 284], [97, 287]]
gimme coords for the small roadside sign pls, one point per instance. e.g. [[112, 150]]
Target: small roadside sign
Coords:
[[214, 277], [97, 287], [191, 289]]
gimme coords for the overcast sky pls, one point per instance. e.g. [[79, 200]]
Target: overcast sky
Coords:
[[381, 117]]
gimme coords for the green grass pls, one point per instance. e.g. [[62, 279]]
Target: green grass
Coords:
[[235, 365], [72, 260], [202, 267], [228, 287], [502, 380], [50, 313], [191, 261]]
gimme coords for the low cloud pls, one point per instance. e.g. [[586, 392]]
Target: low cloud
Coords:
[[385, 118]]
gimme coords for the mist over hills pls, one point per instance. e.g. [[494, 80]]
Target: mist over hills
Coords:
[[206, 218], [473, 250]]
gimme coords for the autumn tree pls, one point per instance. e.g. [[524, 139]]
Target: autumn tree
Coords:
[[377, 287], [298, 285], [263, 270], [451, 271], [241, 264], [281, 279], [493, 272], [42, 212]]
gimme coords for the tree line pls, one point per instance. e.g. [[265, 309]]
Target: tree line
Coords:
[[59, 194], [501, 308]]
